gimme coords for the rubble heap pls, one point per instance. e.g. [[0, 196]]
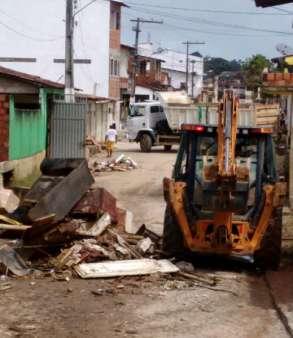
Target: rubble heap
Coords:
[[121, 163], [66, 223]]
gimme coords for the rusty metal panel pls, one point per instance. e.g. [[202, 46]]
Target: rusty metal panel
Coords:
[[68, 129]]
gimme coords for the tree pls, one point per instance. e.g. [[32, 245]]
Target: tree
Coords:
[[216, 65], [253, 68]]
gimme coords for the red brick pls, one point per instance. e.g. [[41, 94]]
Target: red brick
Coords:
[[6, 105], [3, 97]]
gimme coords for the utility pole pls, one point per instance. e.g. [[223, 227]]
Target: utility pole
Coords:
[[192, 78], [69, 74], [188, 43], [137, 30]]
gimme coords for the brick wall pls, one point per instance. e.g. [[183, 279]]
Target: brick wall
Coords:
[[115, 39], [114, 87], [4, 127]]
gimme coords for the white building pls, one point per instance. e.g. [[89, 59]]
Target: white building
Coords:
[[175, 65], [32, 40]]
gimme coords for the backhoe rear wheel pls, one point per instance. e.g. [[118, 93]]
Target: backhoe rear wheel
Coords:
[[173, 242], [268, 256], [146, 143]]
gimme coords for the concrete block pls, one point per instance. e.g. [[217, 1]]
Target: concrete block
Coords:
[[8, 200]]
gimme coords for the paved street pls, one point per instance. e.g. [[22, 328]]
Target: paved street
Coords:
[[243, 304]]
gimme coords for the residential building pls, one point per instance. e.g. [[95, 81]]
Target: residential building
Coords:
[[33, 41], [281, 85], [149, 79], [174, 64], [24, 111]]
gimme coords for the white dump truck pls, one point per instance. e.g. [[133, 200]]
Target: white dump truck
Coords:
[[158, 123]]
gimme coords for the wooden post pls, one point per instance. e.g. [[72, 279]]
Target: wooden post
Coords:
[[290, 127]]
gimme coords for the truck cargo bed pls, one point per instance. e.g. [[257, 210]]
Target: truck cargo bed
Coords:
[[179, 110]]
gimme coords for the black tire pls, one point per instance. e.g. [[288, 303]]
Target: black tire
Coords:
[[167, 147], [146, 143], [268, 257], [173, 242]]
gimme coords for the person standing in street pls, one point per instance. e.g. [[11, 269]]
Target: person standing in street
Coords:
[[111, 139]]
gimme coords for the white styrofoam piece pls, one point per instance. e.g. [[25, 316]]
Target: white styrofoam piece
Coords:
[[125, 268]]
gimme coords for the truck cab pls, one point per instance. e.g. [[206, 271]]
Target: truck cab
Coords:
[[146, 124]]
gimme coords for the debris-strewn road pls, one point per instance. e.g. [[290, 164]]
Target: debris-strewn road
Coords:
[[244, 303]]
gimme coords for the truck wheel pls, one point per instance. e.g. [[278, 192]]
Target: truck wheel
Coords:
[[173, 243], [167, 147], [268, 256], [146, 143]]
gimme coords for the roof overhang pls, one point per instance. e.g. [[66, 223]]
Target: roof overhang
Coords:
[[270, 3], [119, 3]]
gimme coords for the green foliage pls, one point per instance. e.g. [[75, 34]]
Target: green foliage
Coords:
[[216, 65], [253, 68]]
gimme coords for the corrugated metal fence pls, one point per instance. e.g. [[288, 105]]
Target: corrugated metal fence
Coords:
[[68, 129]]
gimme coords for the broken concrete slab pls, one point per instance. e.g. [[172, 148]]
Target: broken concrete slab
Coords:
[[85, 250], [130, 227], [95, 229], [11, 261], [95, 202], [8, 200], [145, 245], [61, 199], [125, 268]]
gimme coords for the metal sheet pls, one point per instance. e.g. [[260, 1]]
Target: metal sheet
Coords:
[[67, 129]]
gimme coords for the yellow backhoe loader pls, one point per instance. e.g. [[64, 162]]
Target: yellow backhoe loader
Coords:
[[225, 197]]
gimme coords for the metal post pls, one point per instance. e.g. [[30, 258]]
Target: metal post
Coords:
[[137, 30], [69, 71], [188, 43], [192, 78]]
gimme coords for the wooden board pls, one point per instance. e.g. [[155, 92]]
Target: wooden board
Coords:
[[62, 198]]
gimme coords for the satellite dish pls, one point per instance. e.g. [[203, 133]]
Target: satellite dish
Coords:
[[284, 49]]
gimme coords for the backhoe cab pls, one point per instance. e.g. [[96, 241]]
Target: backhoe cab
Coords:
[[225, 197]]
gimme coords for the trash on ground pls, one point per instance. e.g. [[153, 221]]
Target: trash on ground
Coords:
[[125, 268], [11, 261], [65, 226], [121, 163]]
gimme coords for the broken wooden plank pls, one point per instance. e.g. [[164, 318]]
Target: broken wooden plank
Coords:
[[133, 267], [61, 199], [9, 220], [19, 227]]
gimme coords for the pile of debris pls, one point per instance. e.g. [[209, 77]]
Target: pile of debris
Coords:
[[65, 223], [121, 163]]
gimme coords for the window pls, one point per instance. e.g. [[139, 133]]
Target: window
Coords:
[[114, 67], [155, 109], [137, 111], [115, 20]]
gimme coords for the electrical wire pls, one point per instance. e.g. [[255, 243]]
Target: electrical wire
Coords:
[[28, 36], [210, 22], [210, 11]]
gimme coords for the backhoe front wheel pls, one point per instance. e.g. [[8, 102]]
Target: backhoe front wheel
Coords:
[[268, 256], [146, 143], [173, 242]]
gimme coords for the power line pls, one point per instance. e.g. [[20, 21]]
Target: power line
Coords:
[[27, 36], [211, 11], [223, 34], [212, 22]]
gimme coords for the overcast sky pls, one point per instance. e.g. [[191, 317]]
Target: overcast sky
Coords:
[[227, 42]]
